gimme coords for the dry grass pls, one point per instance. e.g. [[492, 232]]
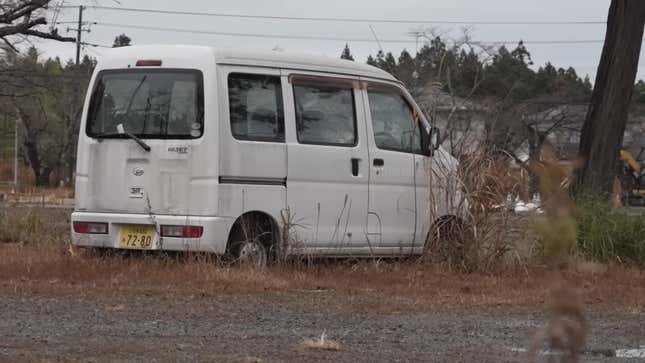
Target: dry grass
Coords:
[[25, 174], [321, 343], [45, 262], [483, 238], [393, 286], [32, 225]]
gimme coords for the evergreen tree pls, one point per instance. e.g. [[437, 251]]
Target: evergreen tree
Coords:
[[461, 72], [371, 61], [405, 69], [346, 54], [122, 41]]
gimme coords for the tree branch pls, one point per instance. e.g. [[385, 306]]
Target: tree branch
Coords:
[[21, 27], [52, 35], [22, 9], [21, 19]]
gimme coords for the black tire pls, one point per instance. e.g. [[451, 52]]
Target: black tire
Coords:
[[451, 241], [252, 241]]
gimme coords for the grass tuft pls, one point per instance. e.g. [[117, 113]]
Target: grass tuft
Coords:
[[322, 343], [21, 227]]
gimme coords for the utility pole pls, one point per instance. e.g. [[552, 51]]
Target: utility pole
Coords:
[[15, 159], [79, 33]]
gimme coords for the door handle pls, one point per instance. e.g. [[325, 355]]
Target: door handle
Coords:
[[379, 162], [355, 162]]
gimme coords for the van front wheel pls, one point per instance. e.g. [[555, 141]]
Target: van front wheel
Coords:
[[251, 241]]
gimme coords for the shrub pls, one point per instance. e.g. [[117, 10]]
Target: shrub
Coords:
[[610, 235], [18, 227], [33, 225], [481, 236]]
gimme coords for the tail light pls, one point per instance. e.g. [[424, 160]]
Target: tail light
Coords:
[[182, 231], [90, 227]]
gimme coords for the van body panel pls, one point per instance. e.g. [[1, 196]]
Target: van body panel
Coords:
[[299, 62], [213, 240], [423, 200]]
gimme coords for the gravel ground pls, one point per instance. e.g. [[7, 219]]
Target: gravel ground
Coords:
[[271, 327]]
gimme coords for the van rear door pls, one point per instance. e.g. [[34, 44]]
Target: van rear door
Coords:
[[162, 109]]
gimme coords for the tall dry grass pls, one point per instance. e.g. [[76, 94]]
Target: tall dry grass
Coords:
[[25, 225], [475, 192], [377, 285], [48, 264]]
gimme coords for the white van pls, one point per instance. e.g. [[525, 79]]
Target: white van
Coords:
[[245, 153]]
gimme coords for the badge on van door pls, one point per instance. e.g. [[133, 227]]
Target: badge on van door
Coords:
[[138, 171], [136, 192], [177, 151]]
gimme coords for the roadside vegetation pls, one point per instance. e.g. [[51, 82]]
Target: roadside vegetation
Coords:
[[45, 262], [609, 235]]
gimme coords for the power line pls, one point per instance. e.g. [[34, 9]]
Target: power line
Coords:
[[325, 38], [342, 20]]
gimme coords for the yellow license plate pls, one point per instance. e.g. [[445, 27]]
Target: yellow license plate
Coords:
[[137, 236]]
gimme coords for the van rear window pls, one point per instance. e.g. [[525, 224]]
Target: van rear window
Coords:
[[161, 104], [255, 106]]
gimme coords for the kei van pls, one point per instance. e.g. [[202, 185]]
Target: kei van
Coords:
[[252, 154]]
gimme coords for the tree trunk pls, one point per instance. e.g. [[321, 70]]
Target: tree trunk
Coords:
[[602, 132], [42, 177], [41, 173]]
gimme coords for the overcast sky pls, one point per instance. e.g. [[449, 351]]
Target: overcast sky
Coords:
[[584, 57]]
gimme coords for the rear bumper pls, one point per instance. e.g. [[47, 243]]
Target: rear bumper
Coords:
[[214, 238]]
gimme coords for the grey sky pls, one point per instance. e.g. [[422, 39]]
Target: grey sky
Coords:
[[584, 57]]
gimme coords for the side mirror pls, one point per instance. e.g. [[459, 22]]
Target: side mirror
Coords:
[[435, 139]]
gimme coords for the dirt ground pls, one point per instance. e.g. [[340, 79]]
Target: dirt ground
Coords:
[[271, 327], [62, 305]]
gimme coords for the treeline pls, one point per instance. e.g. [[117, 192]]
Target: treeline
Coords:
[[46, 98], [471, 71], [46, 95]]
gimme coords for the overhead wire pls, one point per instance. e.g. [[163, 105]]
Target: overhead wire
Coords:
[[327, 38], [341, 19]]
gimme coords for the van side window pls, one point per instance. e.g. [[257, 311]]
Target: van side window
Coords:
[[256, 108], [325, 114], [394, 122]]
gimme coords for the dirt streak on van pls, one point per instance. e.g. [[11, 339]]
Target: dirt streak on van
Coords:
[[200, 149]]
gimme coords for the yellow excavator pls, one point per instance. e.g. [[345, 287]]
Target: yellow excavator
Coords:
[[632, 179]]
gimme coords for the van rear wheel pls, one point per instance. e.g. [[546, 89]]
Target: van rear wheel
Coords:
[[251, 242], [252, 253]]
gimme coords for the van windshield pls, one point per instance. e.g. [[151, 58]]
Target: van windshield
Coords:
[[161, 104]]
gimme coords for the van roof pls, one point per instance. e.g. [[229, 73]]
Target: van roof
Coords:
[[273, 59]]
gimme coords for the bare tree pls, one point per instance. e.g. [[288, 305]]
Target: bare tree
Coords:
[[604, 127], [25, 18]]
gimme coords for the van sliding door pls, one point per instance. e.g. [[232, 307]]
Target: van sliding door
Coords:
[[327, 176]]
